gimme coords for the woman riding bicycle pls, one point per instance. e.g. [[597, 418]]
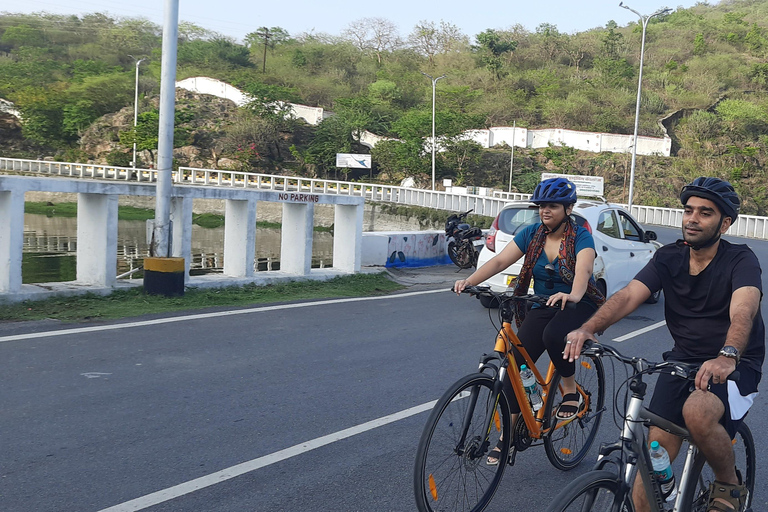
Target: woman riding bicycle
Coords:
[[559, 256]]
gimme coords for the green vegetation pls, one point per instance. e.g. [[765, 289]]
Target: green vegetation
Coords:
[[431, 218], [128, 303], [705, 74], [70, 210]]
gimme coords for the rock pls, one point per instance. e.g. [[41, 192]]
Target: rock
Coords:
[[228, 164]]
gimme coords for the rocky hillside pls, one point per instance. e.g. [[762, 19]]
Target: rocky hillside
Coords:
[[204, 121]]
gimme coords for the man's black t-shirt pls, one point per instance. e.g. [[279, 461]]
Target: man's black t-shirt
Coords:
[[697, 308]]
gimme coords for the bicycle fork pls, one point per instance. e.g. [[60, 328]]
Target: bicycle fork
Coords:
[[490, 417]]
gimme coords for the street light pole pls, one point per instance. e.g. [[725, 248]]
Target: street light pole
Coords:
[[644, 22], [512, 157], [434, 83], [135, 108]]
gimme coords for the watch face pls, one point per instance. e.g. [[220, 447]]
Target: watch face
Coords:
[[729, 351]]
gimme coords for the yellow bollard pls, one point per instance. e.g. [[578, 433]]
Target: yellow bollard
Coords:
[[164, 276]]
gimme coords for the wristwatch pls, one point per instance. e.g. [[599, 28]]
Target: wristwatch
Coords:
[[730, 352]]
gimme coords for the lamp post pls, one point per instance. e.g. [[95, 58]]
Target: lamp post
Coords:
[[434, 83], [135, 108], [644, 22]]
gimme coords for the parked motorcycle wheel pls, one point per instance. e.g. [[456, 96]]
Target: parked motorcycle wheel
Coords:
[[462, 255]]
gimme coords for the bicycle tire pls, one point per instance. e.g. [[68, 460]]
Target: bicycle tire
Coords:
[[744, 450], [567, 445], [446, 479], [594, 491]]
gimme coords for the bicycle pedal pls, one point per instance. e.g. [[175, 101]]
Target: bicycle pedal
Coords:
[[511, 457]]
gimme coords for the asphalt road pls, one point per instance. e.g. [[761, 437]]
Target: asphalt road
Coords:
[[297, 408]]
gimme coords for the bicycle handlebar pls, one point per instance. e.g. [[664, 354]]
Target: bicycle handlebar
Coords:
[[505, 296], [641, 365]]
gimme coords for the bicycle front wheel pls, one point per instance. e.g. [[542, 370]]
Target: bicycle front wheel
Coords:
[[744, 451], [596, 491], [568, 443], [451, 471]]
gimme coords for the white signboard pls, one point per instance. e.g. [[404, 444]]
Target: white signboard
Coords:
[[353, 161], [590, 186]]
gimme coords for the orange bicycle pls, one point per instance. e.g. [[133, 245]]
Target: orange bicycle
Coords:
[[451, 471]]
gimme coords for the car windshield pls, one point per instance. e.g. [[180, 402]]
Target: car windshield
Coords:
[[511, 220]]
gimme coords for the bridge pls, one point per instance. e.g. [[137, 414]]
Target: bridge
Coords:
[[98, 187]]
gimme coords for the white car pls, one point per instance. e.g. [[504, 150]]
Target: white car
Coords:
[[623, 246]]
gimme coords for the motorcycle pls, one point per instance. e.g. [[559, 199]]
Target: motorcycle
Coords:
[[461, 240]]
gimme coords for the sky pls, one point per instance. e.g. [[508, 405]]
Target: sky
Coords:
[[236, 18]]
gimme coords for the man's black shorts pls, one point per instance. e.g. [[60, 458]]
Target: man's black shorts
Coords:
[[671, 393]]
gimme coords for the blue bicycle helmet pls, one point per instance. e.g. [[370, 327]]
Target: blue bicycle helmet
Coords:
[[555, 190], [716, 190]]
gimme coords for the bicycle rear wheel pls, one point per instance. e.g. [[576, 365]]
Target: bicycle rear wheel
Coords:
[[569, 443], [594, 491], [744, 450], [451, 472]]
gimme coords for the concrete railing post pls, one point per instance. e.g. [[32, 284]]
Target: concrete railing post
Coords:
[[11, 239], [96, 239], [296, 238], [347, 237], [181, 231], [239, 237]]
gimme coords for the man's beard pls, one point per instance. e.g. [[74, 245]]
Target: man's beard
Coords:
[[701, 237]]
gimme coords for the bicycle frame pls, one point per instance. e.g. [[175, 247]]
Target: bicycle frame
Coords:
[[534, 420], [636, 458]]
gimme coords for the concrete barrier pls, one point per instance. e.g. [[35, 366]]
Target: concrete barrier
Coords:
[[97, 232]]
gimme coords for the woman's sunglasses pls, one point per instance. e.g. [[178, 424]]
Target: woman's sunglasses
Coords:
[[549, 283]]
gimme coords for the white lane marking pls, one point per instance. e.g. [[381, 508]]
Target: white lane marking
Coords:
[[640, 331], [94, 375], [240, 469], [218, 314]]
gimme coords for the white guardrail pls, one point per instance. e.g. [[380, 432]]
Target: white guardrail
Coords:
[[750, 226]]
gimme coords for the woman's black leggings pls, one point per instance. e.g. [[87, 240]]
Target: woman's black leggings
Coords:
[[546, 329]]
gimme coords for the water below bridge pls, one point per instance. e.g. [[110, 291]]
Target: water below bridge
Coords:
[[50, 245]]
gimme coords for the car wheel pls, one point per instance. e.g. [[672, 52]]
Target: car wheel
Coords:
[[488, 302], [654, 298]]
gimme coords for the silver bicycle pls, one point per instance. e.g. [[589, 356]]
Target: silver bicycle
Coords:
[[608, 487]]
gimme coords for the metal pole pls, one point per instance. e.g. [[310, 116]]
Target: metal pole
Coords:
[[434, 84], [512, 158], [135, 108], [161, 234], [644, 21]]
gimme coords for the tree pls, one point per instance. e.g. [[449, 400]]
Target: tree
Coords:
[[552, 40], [493, 44], [374, 36], [42, 111], [144, 135], [429, 40], [269, 38]]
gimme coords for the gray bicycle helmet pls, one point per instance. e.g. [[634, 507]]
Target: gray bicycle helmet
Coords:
[[716, 190]]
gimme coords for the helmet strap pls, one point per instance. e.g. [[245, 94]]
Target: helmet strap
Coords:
[[548, 231]]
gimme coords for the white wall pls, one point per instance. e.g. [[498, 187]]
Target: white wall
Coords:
[[523, 137]]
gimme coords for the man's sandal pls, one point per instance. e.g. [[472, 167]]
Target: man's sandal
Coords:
[[730, 494], [566, 412], [494, 455]]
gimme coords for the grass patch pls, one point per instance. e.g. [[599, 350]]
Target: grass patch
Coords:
[[128, 303], [206, 220], [70, 210]]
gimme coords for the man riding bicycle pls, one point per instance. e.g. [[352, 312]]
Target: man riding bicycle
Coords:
[[712, 291]]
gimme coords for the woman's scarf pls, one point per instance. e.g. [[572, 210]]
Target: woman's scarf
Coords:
[[567, 255]]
